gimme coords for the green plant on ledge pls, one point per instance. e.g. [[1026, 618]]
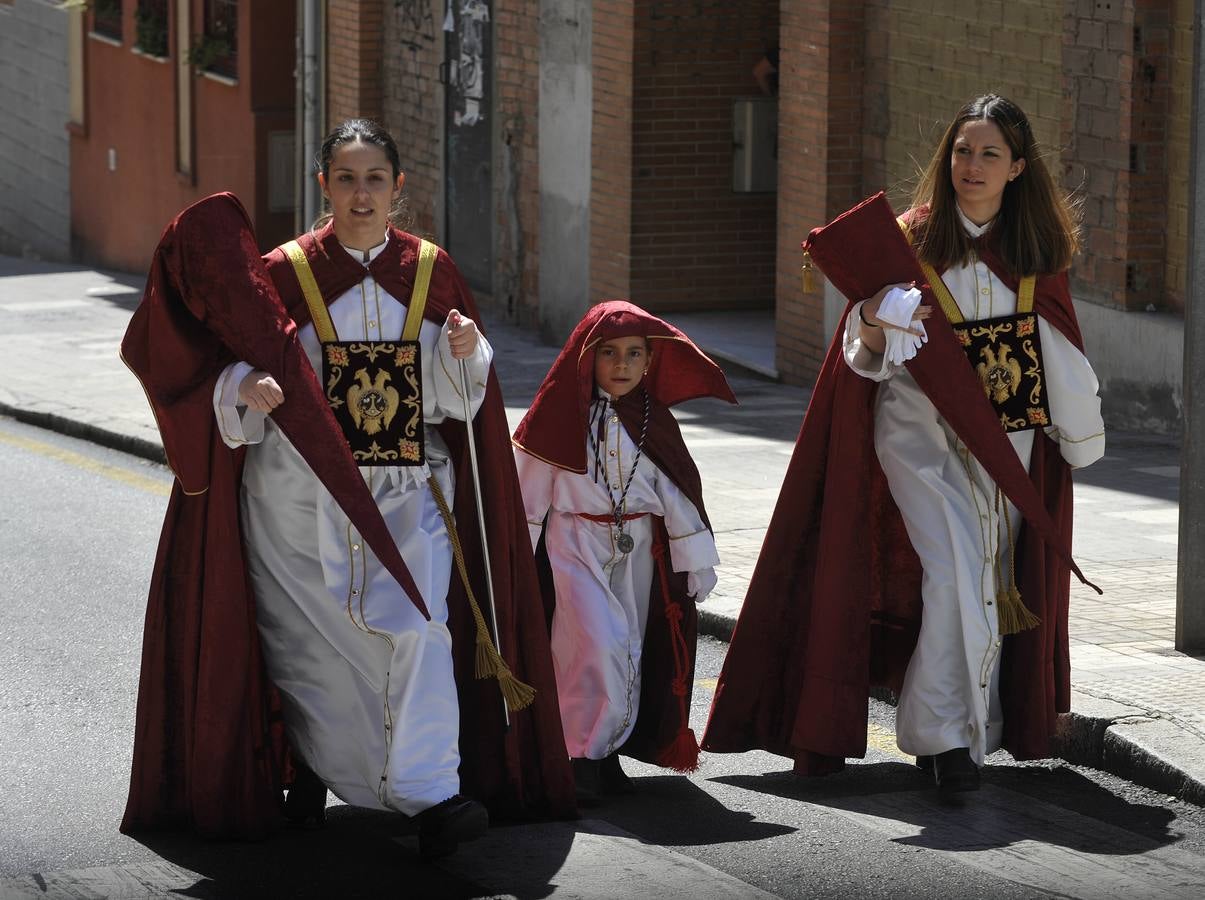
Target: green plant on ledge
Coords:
[[150, 31], [207, 50]]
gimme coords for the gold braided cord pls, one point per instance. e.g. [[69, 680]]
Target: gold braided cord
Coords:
[[1025, 294], [488, 663], [1013, 614]]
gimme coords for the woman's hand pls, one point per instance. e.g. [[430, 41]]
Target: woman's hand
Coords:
[[260, 392], [870, 311], [462, 335]]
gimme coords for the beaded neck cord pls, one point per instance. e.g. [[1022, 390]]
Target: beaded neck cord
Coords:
[[598, 413]]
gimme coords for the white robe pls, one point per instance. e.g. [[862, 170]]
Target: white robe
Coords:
[[367, 684], [602, 594], [950, 696]]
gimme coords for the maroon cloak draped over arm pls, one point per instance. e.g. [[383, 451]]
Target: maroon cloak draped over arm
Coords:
[[205, 755], [834, 604]]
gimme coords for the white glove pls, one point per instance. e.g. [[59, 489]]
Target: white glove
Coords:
[[897, 309], [701, 583]]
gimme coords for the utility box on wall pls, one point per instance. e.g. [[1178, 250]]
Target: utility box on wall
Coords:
[[754, 145]]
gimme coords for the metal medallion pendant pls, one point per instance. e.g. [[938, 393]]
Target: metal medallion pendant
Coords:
[[624, 542]]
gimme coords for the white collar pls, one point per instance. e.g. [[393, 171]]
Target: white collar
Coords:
[[373, 252], [972, 229]]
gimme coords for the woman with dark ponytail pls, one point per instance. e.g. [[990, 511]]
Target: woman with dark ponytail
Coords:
[[393, 692]]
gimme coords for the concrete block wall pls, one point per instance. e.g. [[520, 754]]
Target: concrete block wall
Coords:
[[1179, 120], [926, 58], [517, 159], [697, 244], [35, 196], [1098, 63]]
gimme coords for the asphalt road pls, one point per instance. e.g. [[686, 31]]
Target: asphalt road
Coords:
[[78, 529]]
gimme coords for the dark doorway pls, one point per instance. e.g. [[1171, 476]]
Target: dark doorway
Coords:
[[468, 130]]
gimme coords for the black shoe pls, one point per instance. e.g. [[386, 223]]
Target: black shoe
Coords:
[[305, 805], [444, 826], [587, 778], [612, 778], [925, 764], [955, 772]]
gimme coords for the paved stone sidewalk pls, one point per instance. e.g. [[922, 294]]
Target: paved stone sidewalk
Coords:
[[1138, 705]]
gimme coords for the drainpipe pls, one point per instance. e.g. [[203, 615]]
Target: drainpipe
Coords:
[[309, 93]]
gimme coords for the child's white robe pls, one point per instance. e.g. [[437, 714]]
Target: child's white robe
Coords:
[[602, 594]]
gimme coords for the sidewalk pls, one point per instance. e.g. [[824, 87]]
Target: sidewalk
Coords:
[[1138, 705]]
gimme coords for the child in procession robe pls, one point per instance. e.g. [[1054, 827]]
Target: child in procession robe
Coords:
[[609, 484]]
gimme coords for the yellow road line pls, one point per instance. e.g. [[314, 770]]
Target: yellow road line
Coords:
[[79, 461]]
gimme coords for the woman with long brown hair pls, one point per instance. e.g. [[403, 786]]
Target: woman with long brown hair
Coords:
[[965, 608]]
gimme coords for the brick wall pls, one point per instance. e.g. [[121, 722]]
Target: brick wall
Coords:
[[354, 46], [35, 206], [412, 105], [1179, 121], [820, 131], [611, 150], [696, 244]]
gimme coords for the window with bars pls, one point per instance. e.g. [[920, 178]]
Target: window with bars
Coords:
[[106, 18], [150, 27], [220, 40]]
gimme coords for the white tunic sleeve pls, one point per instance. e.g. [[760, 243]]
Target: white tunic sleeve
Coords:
[[237, 424], [535, 482], [445, 376], [1071, 391], [874, 366], [691, 543]]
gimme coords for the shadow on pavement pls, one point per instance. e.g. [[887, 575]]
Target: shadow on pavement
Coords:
[[671, 811], [1050, 805], [359, 854]]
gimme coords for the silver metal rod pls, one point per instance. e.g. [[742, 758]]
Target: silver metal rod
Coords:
[[485, 547]]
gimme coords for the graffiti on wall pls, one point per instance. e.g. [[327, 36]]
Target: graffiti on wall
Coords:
[[416, 19], [469, 22]]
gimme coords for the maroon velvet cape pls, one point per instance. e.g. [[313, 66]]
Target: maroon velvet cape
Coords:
[[209, 748], [554, 430], [834, 605]]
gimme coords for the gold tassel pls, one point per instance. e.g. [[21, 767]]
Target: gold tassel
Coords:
[[1013, 613], [809, 275], [488, 662]]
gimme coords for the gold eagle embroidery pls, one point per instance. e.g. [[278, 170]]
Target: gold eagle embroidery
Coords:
[[370, 402], [1001, 376]]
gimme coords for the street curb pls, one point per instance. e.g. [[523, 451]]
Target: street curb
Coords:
[[1081, 740], [94, 434]]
